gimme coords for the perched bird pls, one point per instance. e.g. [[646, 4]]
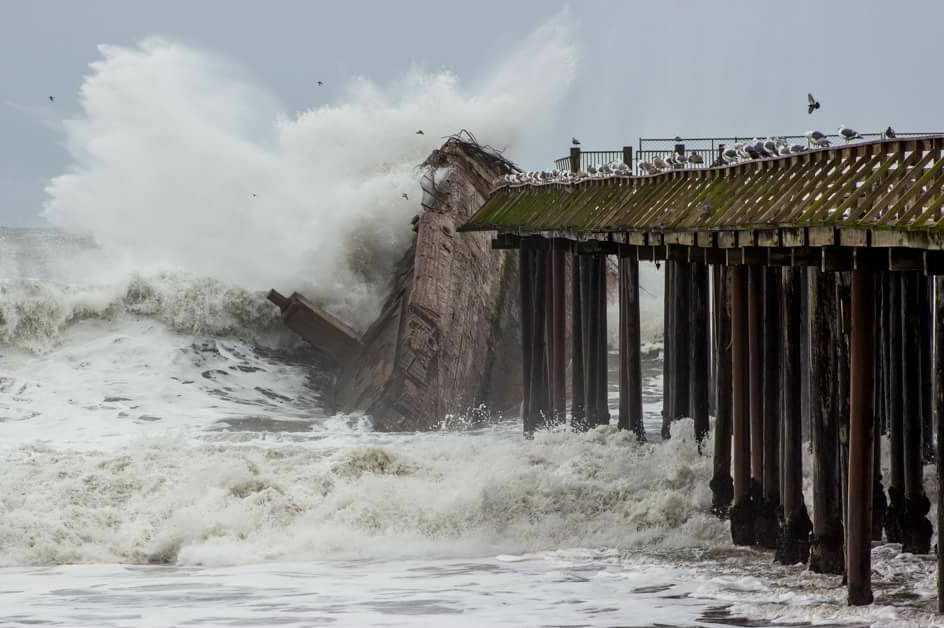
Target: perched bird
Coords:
[[575, 141], [849, 134], [771, 147], [681, 158], [420, 132], [730, 155], [592, 169], [814, 136], [890, 132], [797, 148], [647, 167], [659, 163], [405, 196], [52, 99], [823, 142], [752, 152], [812, 103], [696, 159]]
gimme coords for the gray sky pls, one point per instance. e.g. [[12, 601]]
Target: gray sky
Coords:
[[646, 68]]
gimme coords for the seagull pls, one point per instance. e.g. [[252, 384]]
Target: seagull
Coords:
[[696, 159], [730, 155], [797, 148], [812, 103], [890, 132], [420, 132], [823, 142], [319, 83], [771, 147], [815, 136], [849, 134], [647, 167], [575, 141], [253, 194], [404, 195], [659, 163], [752, 152], [52, 99]]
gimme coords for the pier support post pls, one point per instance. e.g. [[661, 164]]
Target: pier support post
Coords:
[[879, 503], [578, 409], [699, 366], [556, 329], [895, 513], [678, 401], [794, 545], [925, 347], [630, 368], [533, 281], [939, 403], [668, 348], [766, 526], [916, 532], [755, 342], [742, 512], [826, 550], [722, 487], [861, 421], [593, 336]]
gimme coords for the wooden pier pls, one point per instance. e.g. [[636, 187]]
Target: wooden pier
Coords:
[[826, 270]]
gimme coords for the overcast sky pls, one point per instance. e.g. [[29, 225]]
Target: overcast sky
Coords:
[[645, 68]]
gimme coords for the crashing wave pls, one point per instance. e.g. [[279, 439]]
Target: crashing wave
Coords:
[[34, 314]]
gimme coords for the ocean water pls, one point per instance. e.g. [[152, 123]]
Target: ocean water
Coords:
[[169, 458]]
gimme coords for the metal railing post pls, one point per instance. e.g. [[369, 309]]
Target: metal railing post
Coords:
[[575, 159]]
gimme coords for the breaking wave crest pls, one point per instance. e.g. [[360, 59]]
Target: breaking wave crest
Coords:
[[433, 494], [35, 314]]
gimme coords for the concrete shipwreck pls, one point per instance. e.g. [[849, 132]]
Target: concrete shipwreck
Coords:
[[447, 340]]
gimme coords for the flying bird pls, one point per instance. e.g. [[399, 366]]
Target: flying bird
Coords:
[[404, 195], [575, 141], [890, 132], [52, 99], [849, 134], [812, 103], [253, 195], [420, 132], [319, 83]]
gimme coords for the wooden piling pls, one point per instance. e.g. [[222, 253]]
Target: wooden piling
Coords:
[[826, 548], [794, 542], [939, 403], [669, 340], [742, 515], [540, 393], [630, 368], [680, 364], [755, 343], [916, 529], [722, 486], [861, 422], [556, 328], [843, 328], [699, 336], [879, 502], [894, 514], [766, 526], [925, 347], [578, 410], [526, 278]]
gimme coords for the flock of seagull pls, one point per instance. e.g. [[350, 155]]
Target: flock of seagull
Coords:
[[740, 153]]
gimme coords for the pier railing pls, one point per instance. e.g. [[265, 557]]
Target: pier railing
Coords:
[[708, 148]]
